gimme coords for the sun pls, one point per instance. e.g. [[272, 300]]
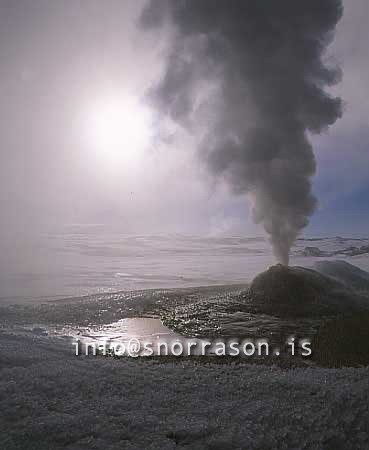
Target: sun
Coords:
[[118, 128]]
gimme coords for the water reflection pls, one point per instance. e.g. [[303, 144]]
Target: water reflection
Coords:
[[148, 336], [133, 337]]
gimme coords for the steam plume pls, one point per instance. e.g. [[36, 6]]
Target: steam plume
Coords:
[[266, 59]]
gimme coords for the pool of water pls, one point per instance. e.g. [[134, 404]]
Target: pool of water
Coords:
[[137, 336]]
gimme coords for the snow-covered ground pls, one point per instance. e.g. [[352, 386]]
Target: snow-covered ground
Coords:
[[85, 260], [51, 399]]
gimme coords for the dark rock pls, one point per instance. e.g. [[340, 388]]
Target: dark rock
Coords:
[[343, 341], [348, 274], [297, 291], [313, 251], [353, 251]]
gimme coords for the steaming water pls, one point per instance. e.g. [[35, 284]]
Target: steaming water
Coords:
[[143, 328], [89, 260]]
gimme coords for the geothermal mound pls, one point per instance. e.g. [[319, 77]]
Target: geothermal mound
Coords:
[[351, 276], [296, 291]]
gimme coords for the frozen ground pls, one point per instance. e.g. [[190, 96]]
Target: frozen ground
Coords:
[[85, 260], [51, 399]]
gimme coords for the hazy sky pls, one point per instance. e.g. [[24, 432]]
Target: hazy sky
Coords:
[[73, 74]]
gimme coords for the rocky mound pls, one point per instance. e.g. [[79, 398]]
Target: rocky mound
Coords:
[[343, 341], [297, 291], [347, 274]]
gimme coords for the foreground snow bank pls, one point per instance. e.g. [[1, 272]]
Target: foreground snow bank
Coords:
[[52, 399]]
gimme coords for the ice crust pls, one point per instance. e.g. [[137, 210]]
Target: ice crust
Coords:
[[51, 399]]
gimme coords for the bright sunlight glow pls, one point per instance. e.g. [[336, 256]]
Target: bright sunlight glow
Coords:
[[119, 128]]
